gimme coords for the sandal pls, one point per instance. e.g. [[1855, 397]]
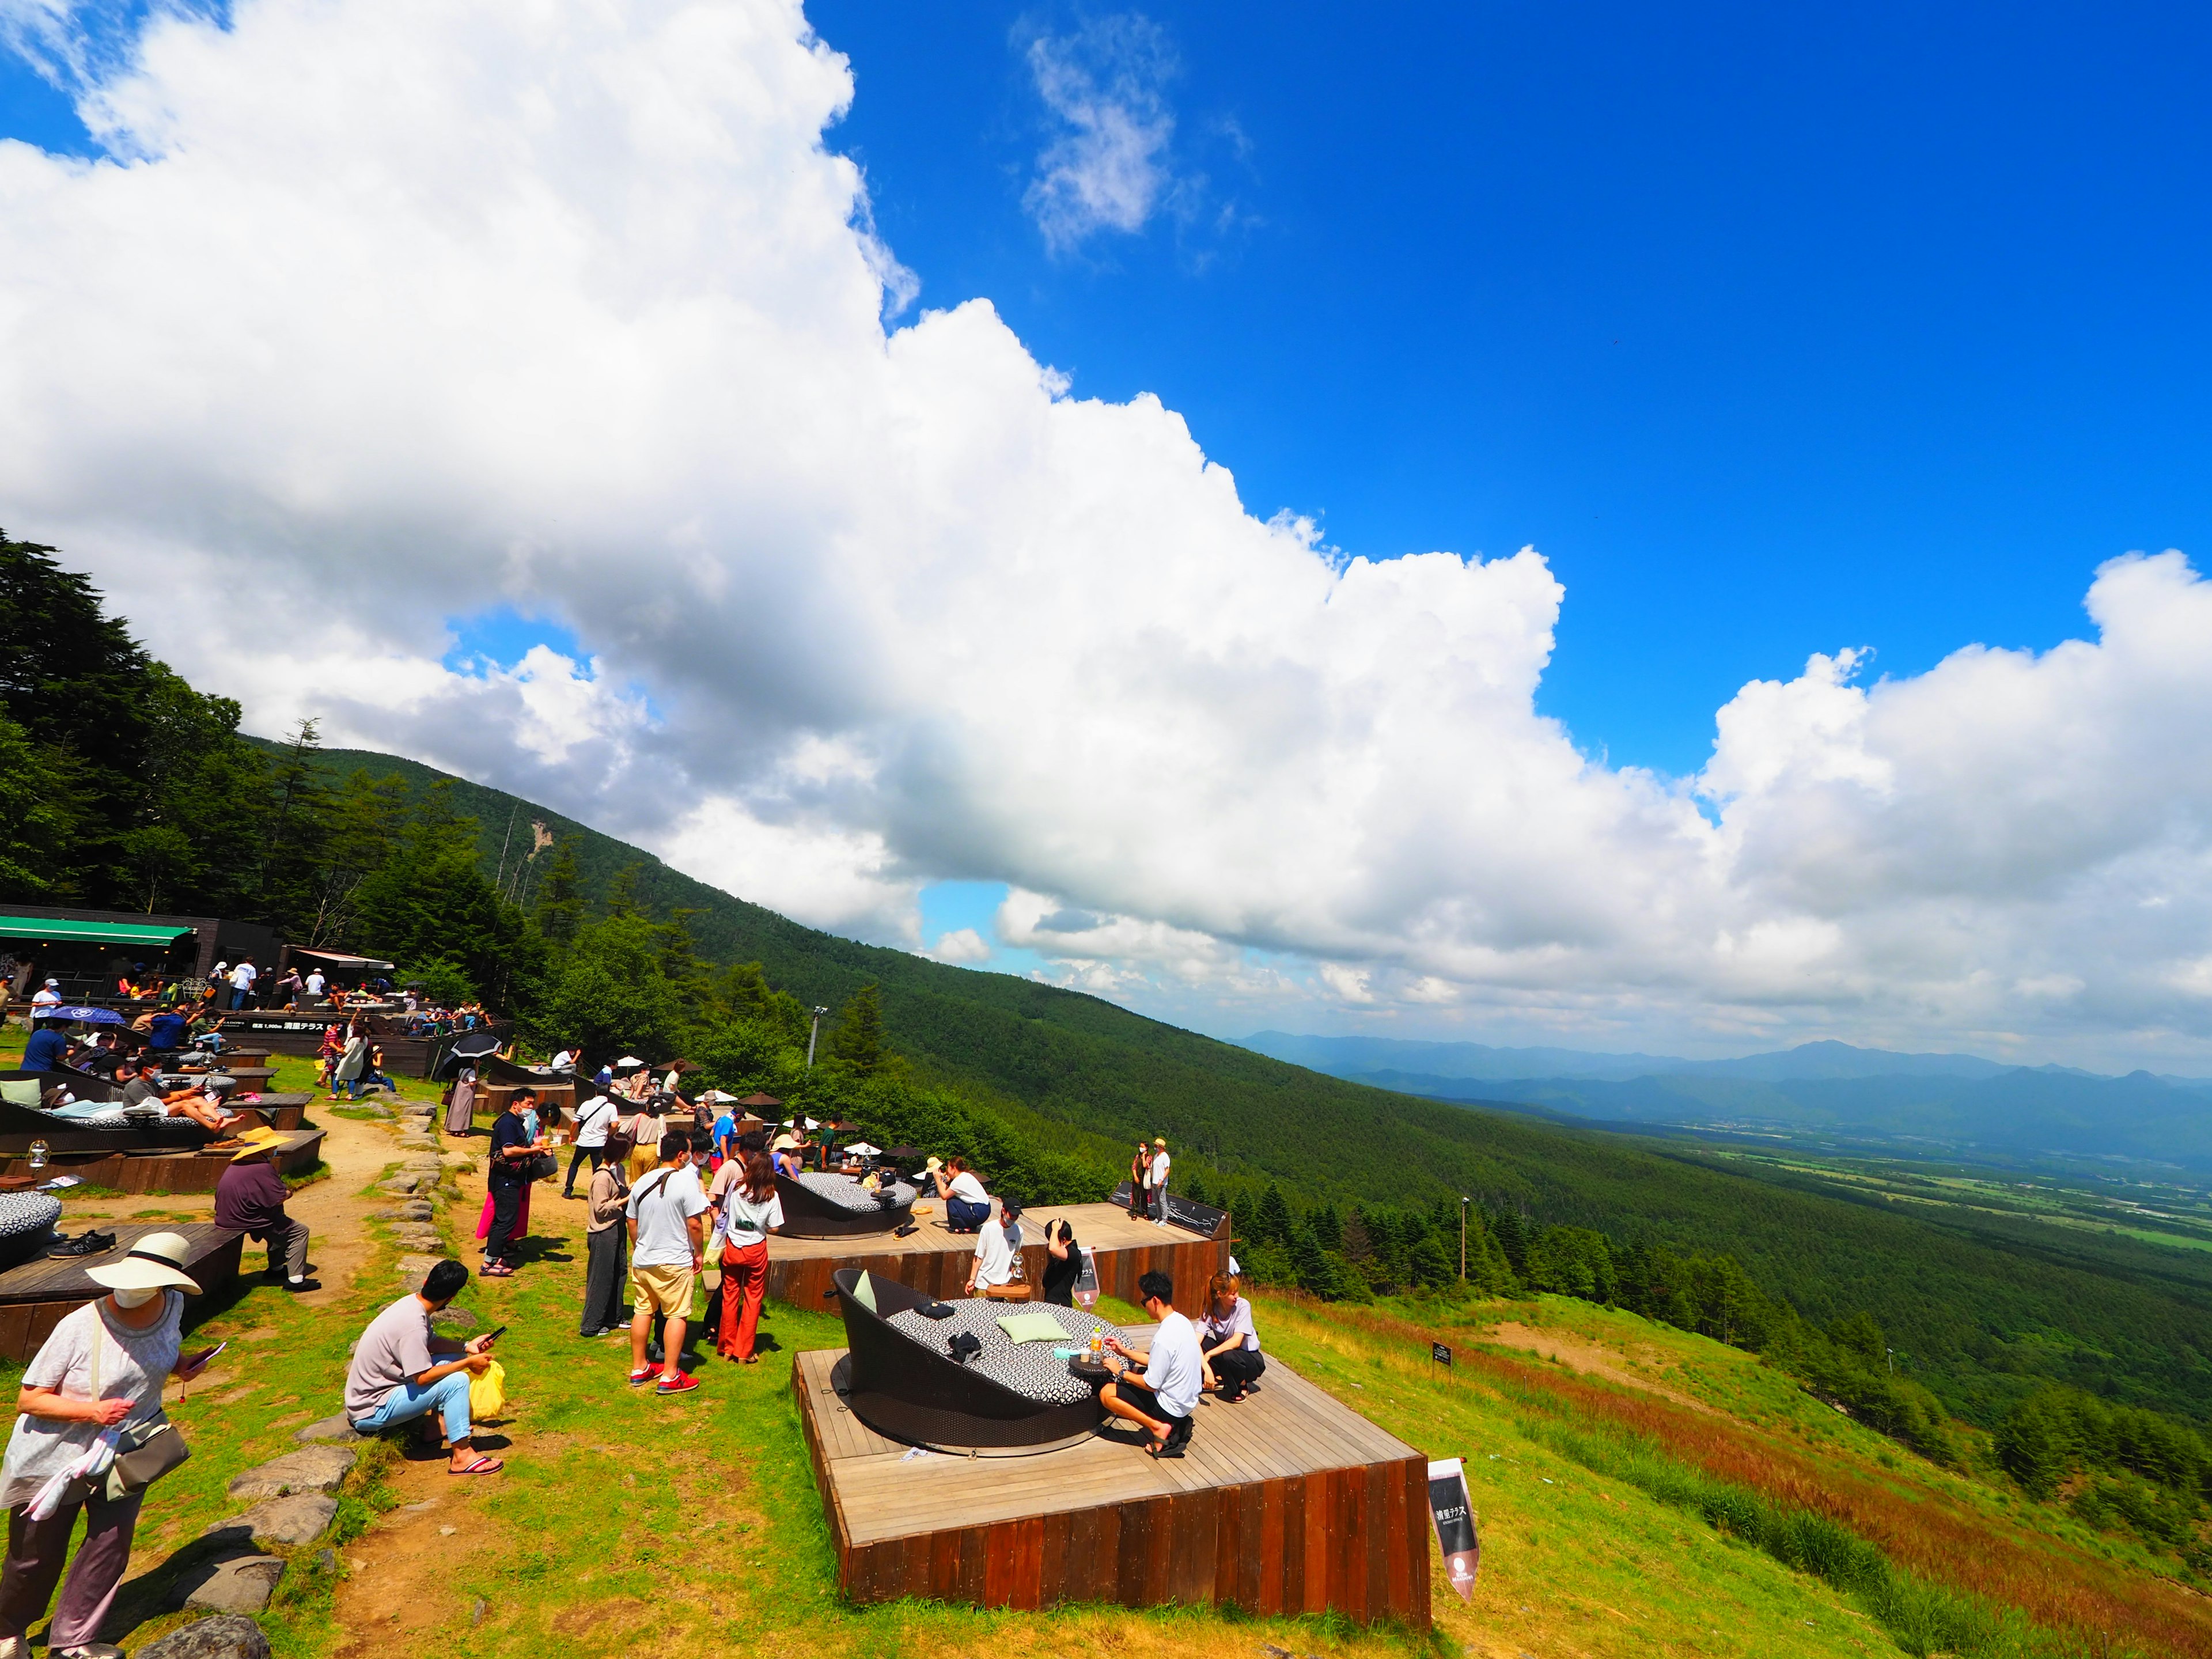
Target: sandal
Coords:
[[482, 1466]]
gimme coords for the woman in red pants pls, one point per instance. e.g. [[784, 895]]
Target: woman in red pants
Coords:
[[750, 1211]]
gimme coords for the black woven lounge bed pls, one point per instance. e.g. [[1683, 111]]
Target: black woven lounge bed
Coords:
[[838, 1206], [100, 1124], [899, 1377]]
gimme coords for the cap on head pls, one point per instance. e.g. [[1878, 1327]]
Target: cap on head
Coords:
[[155, 1262]]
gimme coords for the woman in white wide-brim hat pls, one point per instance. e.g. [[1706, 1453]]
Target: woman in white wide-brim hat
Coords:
[[102, 1366]]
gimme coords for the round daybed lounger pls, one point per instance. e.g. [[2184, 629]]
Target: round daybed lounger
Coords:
[[899, 1377], [97, 1123], [26, 1223], [838, 1206]]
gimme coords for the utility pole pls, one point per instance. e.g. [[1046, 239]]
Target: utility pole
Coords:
[[812, 1035], [1462, 1238]]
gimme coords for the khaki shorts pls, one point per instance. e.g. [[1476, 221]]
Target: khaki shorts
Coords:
[[664, 1291]]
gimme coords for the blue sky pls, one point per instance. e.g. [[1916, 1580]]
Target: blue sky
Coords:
[[1774, 334], [1775, 331]]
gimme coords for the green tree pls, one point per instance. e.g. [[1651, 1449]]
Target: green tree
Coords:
[[1271, 1223], [41, 823], [560, 909], [1861, 1335], [857, 1041], [610, 995]]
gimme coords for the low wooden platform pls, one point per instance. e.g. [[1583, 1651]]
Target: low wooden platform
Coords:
[[34, 1297], [1288, 1502], [935, 1259], [283, 1111], [165, 1173]]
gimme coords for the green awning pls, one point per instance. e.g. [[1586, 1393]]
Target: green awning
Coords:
[[50, 930]]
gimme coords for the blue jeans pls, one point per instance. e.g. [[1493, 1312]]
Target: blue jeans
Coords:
[[962, 1217], [449, 1396]]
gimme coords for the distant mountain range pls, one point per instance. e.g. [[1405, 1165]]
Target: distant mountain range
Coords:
[[1960, 1103]]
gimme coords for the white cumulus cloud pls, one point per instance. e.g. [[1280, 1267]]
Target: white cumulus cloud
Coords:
[[389, 313], [1107, 166]]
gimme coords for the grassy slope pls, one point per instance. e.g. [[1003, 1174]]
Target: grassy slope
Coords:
[[1982, 1315]]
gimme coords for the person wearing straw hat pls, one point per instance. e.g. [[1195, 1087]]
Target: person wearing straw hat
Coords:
[[100, 1369], [1159, 1174], [249, 1198]]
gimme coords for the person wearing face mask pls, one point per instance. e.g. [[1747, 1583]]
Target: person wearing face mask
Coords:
[[101, 1368]]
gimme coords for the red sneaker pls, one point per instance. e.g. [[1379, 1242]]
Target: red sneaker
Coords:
[[678, 1384], [638, 1379]]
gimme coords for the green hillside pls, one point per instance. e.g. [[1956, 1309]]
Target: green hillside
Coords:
[[1982, 1316]]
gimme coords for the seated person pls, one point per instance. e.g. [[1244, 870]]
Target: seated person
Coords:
[[166, 1032], [790, 1154], [48, 1048], [141, 1092], [967, 1205], [249, 1198], [1169, 1380], [993, 1273], [400, 1371], [1228, 1343]]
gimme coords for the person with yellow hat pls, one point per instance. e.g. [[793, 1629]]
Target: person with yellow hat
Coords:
[[249, 1198], [100, 1370]]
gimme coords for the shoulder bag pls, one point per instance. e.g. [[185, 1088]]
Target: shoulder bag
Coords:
[[143, 1454]]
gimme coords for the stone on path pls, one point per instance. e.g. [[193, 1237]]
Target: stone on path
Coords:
[[414, 1209], [298, 1519], [338, 1429], [311, 1468], [459, 1319], [227, 1635], [417, 1238], [242, 1584], [414, 1267]]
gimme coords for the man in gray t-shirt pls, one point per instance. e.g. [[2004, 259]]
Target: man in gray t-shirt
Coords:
[[401, 1371]]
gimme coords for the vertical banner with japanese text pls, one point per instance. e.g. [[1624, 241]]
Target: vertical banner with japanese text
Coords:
[[1454, 1517]]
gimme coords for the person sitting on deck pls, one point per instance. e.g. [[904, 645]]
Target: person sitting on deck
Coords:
[[1229, 1344], [967, 1205], [400, 1371], [993, 1272], [249, 1198], [168, 1032], [1169, 1378], [48, 1047]]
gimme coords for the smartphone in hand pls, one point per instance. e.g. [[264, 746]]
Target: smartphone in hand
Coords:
[[200, 1361]]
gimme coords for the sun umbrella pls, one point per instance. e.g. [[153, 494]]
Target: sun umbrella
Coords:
[[861, 1149], [90, 1015]]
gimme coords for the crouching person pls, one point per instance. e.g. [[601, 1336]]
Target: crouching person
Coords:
[[1167, 1380], [401, 1371]]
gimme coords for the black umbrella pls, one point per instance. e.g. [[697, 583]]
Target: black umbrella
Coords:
[[469, 1046]]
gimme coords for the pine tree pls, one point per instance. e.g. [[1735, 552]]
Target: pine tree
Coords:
[[560, 911], [1327, 1228], [1357, 1244], [1309, 1264], [858, 1040], [1513, 1239], [1271, 1224]]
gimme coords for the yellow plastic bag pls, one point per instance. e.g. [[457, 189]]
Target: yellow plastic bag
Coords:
[[487, 1392]]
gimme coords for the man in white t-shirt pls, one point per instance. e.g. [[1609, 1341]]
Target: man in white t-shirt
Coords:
[[667, 1244], [47, 997], [1169, 1379], [316, 985], [241, 982], [1160, 1183], [594, 1119], [994, 1266]]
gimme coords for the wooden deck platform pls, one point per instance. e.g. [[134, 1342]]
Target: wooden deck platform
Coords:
[[165, 1173], [34, 1297], [935, 1260], [1288, 1502]]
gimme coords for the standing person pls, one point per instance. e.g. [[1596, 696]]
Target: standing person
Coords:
[[353, 1060], [249, 1198], [44, 1000], [666, 1237], [100, 1369], [1063, 1264], [750, 1211], [594, 1119], [48, 1048], [606, 1243], [326, 1058], [993, 1270], [1140, 1183], [461, 1106], [288, 990], [1229, 1343], [242, 982], [1169, 1379], [316, 985], [510, 1146], [1160, 1183], [644, 1133], [400, 1371]]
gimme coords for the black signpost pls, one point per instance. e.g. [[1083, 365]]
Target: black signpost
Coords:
[[1440, 1353]]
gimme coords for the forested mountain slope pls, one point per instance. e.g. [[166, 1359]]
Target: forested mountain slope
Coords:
[[1982, 1316]]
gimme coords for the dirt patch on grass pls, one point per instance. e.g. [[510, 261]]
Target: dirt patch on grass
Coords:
[[401, 1590], [1586, 1356]]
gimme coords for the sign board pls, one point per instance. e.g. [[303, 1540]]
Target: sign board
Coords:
[[1201, 1218], [1439, 1352], [1455, 1519]]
